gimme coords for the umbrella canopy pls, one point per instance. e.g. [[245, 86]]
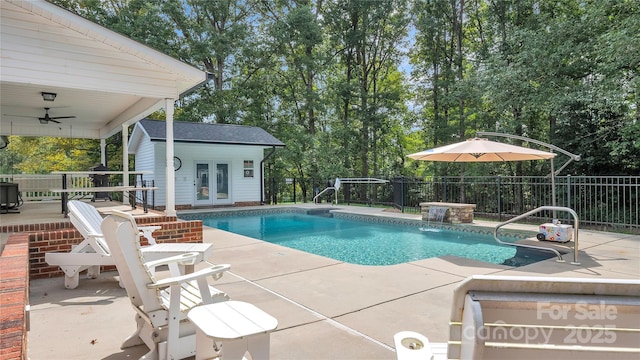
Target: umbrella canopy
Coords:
[[481, 150]]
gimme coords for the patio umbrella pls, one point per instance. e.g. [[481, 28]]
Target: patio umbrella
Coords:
[[481, 150], [484, 150]]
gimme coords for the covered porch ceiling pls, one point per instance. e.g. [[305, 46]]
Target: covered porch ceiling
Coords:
[[103, 79]]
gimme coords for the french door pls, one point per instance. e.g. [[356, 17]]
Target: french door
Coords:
[[223, 184], [212, 185]]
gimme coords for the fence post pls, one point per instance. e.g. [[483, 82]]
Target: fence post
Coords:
[[153, 194], [499, 198], [569, 191], [273, 191], [444, 183], [403, 192]]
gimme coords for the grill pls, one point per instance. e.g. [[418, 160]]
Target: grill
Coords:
[[9, 197], [100, 180]]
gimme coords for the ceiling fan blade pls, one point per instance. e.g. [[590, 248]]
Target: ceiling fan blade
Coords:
[[30, 117], [46, 118]]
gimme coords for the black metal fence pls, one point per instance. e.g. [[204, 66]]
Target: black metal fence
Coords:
[[604, 202]]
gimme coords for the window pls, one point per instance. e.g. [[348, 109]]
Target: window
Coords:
[[248, 168]]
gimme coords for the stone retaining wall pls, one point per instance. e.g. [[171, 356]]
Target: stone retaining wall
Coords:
[[457, 213]]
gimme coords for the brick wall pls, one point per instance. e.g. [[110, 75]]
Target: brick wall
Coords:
[[14, 295], [189, 231], [35, 227], [62, 239], [23, 259], [247, 203], [44, 241], [190, 207]]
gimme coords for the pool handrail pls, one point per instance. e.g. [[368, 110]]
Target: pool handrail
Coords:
[[325, 190], [339, 181], [536, 210]]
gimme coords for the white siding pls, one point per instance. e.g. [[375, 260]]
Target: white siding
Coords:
[[151, 156], [145, 161], [184, 178], [160, 154], [33, 46], [242, 189]]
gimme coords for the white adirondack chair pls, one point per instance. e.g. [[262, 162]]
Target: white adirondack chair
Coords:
[[93, 251], [161, 305], [522, 317]]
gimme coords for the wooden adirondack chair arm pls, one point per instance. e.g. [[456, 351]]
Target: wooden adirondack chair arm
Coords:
[[188, 258], [216, 271], [147, 232]]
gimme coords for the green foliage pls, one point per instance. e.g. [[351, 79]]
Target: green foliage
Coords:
[[352, 87], [38, 155]]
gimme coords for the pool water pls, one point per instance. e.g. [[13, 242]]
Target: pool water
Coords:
[[366, 243]]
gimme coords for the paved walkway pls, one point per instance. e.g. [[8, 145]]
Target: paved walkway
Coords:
[[326, 309]]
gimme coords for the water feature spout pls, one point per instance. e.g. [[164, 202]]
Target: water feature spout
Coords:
[[436, 214]]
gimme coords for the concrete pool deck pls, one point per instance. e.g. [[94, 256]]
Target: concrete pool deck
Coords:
[[326, 309]]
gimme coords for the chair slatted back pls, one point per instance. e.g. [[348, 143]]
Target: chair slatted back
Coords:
[[87, 220], [123, 238], [540, 317]]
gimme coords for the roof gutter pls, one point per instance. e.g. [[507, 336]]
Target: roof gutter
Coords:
[[273, 150], [209, 77]]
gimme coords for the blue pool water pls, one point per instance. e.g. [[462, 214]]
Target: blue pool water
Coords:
[[366, 243]]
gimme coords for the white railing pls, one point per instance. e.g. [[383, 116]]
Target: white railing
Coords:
[[36, 187]]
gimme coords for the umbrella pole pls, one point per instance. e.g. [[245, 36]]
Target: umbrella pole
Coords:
[[553, 189], [551, 148]]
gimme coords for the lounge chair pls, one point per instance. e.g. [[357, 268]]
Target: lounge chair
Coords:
[[161, 305], [93, 251], [512, 317]]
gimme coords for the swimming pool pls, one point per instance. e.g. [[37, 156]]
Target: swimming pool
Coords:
[[366, 242]]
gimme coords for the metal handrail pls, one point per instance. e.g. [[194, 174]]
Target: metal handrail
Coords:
[[536, 210], [325, 190]]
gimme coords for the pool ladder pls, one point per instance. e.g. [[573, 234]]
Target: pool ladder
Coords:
[[537, 210]]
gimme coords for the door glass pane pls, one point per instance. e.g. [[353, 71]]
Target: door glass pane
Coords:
[[202, 181], [222, 171]]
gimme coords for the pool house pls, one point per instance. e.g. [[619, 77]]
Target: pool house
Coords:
[[213, 164]]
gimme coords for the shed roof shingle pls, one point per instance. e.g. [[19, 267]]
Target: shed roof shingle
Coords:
[[210, 133]]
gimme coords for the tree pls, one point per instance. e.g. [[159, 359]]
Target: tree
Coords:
[[41, 155], [368, 37], [353, 86], [211, 36]]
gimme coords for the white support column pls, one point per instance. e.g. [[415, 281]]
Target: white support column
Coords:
[[170, 207], [125, 161], [103, 151]]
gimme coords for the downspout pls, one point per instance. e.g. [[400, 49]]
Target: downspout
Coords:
[[273, 149]]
